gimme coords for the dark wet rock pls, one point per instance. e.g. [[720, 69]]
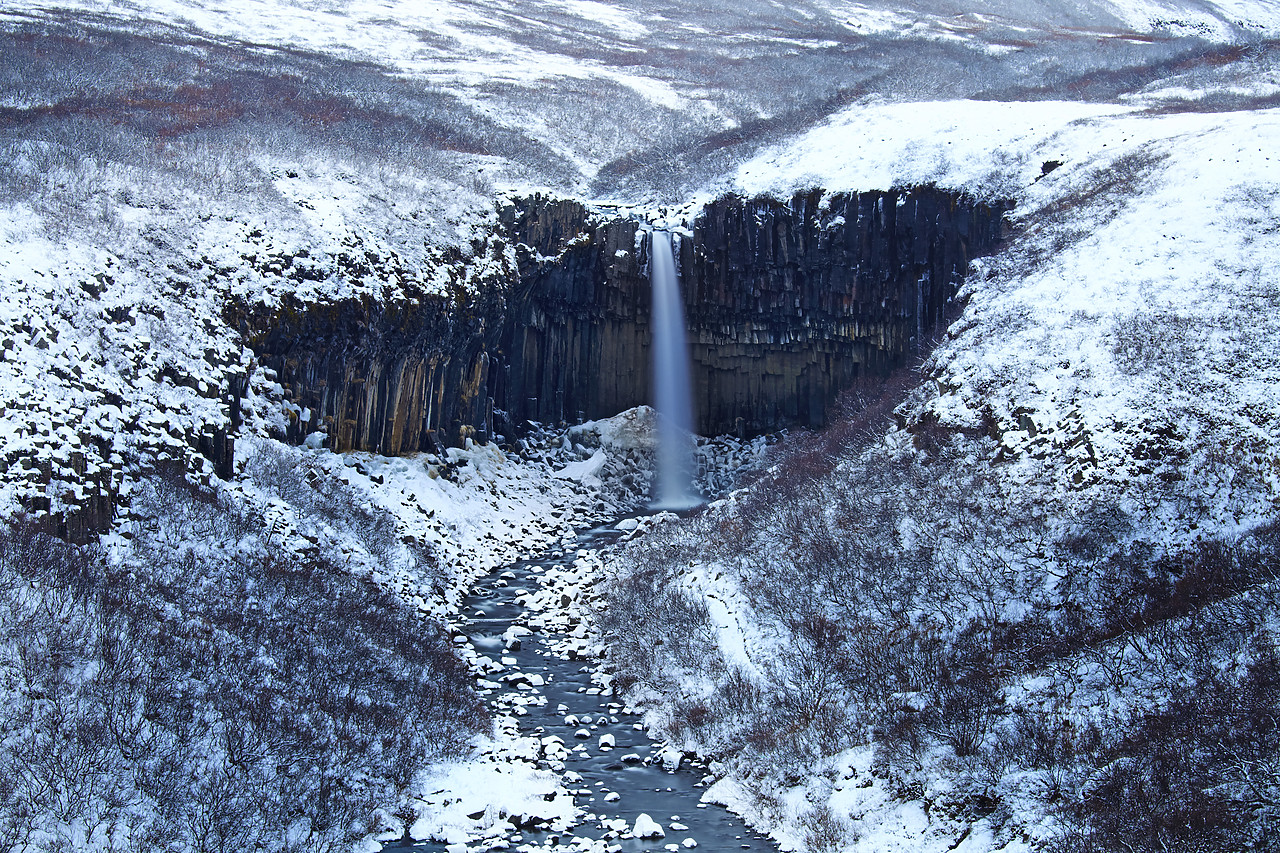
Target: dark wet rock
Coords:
[[787, 302]]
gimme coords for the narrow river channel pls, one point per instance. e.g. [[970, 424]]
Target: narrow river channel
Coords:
[[614, 770]]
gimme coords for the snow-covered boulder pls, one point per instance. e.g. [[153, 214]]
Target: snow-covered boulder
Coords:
[[647, 827], [634, 430]]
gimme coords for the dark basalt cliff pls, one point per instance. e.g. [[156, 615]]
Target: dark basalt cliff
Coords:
[[786, 302], [392, 377]]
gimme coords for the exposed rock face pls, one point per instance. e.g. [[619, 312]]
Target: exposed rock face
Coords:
[[391, 378], [786, 303], [576, 340]]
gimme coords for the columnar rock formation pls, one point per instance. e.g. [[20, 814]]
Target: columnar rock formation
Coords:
[[392, 377], [787, 302]]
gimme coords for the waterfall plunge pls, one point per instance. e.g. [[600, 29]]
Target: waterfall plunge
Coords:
[[672, 395]]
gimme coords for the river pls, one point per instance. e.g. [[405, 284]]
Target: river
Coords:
[[557, 697]]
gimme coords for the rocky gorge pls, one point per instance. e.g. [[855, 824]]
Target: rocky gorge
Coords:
[[544, 317], [788, 301]]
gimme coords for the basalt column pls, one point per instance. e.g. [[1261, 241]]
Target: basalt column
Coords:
[[576, 342], [786, 302], [389, 378]]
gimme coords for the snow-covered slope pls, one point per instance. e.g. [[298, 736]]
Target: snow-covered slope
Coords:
[[1105, 403], [980, 625], [640, 99], [1127, 327]]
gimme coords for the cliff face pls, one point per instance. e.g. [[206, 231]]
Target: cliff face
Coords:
[[786, 303], [391, 378]]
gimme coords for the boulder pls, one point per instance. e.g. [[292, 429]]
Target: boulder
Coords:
[[647, 827]]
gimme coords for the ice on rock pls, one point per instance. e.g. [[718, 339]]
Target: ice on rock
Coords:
[[607, 741]]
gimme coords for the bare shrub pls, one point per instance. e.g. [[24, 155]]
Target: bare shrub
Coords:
[[1165, 343], [235, 697], [825, 831], [321, 499]]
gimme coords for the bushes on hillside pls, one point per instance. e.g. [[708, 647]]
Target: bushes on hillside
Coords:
[[204, 691], [904, 602]]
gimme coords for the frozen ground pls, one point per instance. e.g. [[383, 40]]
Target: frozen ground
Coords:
[[1113, 376], [162, 161]]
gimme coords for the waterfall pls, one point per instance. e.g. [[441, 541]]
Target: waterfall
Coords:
[[672, 395]]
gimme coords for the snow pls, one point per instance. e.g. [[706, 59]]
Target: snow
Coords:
[[647, 827], [1185, 253], [633, 430], [625, 21], [1212, 19], [728, 607], [1134, 306], [498, 789], [987, 147], [1179, 244], [586, 470]]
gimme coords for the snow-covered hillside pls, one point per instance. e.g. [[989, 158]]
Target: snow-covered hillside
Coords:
[[1034, 606], [1126, 332], [643, 100], [983, 624]]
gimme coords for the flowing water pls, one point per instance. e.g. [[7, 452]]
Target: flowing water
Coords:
[[673, 397], [631, 769]]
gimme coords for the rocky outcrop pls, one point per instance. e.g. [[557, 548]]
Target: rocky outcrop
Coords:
[[787, 302], [576, 339], [391, 377]]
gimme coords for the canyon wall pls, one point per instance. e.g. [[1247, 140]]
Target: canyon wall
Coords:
[[388, 376], [787, 302]]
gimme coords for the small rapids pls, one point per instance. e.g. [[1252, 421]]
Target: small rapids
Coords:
[[550, 688]]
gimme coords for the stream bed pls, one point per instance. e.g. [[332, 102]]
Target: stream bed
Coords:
[[541, 683]]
